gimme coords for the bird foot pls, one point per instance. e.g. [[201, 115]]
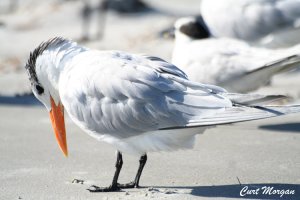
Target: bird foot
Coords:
[[128, 185], [111, 188]]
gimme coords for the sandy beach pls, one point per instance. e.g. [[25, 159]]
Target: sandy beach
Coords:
[[225, 160], [254, 153]]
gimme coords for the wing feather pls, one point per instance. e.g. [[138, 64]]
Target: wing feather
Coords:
[[126, 95]]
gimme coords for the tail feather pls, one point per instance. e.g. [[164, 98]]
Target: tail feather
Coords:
[[262, 75], [278, 66], [253, 99], [242, 113]]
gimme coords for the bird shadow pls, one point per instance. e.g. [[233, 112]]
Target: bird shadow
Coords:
[[23, 100], [287, 127], [245, 191]]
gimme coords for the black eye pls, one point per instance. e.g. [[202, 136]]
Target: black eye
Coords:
[[39, 89]]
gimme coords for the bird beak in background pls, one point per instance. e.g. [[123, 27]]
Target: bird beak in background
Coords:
[[168, 33], [58, 124]]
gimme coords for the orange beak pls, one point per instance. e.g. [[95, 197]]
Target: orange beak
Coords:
[[58, 124]]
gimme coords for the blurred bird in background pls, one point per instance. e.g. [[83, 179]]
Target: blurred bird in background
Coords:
[[88, 11], [231, 63], [13, 6], [100, 9], [125, 6], [267, 23]]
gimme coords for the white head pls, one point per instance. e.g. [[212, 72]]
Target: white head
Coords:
[[190, 28], [44, 66]]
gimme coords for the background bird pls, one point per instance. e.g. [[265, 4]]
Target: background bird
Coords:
[[268, 23], [231, 63], [136, 103]]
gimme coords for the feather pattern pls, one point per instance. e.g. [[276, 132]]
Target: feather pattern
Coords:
[[137, 103], [123, 94]]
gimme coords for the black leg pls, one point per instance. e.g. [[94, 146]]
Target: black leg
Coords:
[[114, 186], [135, 183]]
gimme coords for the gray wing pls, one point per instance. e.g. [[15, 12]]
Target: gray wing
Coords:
[[126, 95]]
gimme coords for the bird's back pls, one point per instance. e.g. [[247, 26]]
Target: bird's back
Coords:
[[126, 95]]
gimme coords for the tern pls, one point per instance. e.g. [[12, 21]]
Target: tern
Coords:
[[136, 103], [231, 63], [268, 23]]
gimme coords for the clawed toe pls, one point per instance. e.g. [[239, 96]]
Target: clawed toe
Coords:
[[94, 188], [115, 186], [128, 185]]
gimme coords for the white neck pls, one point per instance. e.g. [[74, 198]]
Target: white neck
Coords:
[[181, 38]]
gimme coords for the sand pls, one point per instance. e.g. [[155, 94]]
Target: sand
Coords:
[[257, 153]]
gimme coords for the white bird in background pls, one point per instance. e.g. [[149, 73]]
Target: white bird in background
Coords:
[[268, 23], [230, 63], [136, 103]]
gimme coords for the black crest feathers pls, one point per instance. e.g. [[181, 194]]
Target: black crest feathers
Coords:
[[30, 65], [196, 29]]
